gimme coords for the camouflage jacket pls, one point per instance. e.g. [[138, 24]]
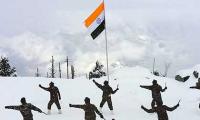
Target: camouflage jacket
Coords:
[[25, 110], [156, 89], [54, 92], [89, 109], [107, 90]]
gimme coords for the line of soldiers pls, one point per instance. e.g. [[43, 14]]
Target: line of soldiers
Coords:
[[90, 109], [157, 103]]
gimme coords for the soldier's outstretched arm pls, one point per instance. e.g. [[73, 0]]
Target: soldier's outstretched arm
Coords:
[[32, 107], [163, 90], [58, 92], [195, 87], [148, 110], [43, 87], [146, 87], [171, 108], [13, 107], [98, 85], [77, 106], [113, 92]]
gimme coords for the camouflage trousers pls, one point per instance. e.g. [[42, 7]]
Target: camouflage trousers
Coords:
[[109, 102], [156, 100], [28, 118], [90, 118], [51, 103]]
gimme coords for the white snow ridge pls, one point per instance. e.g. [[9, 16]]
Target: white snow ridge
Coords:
[[127, 101]]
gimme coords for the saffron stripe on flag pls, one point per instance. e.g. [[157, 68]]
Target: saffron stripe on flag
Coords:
[[94, 15], [98, 30]]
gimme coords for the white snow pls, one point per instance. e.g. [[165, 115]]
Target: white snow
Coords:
[[126, 101]]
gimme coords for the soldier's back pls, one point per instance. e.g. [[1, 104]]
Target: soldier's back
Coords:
[[53, 92], [26, 111], [107, 90], [90, 112]]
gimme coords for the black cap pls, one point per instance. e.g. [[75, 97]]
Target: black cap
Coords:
[[23, 100], [154, 82], [51, 84], [106, 82], [87, 100]]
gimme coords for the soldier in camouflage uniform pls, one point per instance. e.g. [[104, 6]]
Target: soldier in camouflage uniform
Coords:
[[156, 89], [54, 96], [107, 91], [161, 110], [25, 109], [197, 85], [89, 109]]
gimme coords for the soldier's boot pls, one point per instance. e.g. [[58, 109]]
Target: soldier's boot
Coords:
[[59, 111], [49, 112]]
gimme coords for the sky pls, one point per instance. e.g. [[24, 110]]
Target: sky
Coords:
[[31, 31]]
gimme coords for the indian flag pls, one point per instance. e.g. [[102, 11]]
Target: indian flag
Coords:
[[96, 21]]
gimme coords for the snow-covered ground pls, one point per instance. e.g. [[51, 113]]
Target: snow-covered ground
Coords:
[[126, 101]]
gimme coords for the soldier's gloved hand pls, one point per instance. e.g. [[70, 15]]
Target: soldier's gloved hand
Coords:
[[40, 85], [70, 105], [6, 107], [178, 105], [59, 98], [40, 111], [165, 88], [117, 89], [142, 106], [199, 106], [101, 116], [93, 80]]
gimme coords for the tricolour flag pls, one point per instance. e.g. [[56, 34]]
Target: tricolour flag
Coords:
[[96, 21]]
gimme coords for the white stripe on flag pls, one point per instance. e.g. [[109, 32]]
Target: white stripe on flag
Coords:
[[97, 22]]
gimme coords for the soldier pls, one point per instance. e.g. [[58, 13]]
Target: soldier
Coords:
[[197, 85], [156, 89], [161, 110], [89, 109], [107, 91], [54, 96], [25, 109]]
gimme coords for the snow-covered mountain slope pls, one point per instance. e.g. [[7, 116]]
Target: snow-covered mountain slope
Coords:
[[126, 101]]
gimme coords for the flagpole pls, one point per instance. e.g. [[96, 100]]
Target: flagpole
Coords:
[[106, 43]]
